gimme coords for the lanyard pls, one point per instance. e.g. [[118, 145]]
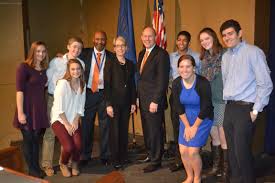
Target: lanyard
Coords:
[[99, 66]]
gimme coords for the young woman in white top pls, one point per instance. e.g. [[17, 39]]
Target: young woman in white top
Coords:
[[68, 107], [56, 71]]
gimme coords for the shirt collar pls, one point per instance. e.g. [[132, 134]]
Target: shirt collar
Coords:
[[65, 56], [150, 49], [237, 47], [96, 51], [189, 52]]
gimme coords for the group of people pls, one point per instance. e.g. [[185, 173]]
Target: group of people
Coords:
[[218, 92]]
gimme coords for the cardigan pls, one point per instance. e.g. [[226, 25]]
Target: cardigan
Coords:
[[203, 89]]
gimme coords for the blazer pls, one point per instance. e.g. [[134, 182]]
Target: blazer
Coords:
[[119, 83], [203, 89], [153, 81], [86, 55]]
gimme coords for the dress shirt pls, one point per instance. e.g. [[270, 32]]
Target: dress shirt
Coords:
[[246, 76], [93, 65], [150, 49], [57, 69], [67, 101], [174, 57]]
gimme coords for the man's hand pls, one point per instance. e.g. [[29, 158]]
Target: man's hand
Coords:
[[153, 107], [110, 111], [133, 108], [253, 116]]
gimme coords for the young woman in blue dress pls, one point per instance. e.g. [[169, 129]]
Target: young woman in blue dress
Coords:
[[192, 96]]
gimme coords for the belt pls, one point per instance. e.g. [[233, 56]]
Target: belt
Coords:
[[50, 94], [90, 90], [238, 102]]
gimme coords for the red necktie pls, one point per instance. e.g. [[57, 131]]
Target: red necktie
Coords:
[[95, 80]]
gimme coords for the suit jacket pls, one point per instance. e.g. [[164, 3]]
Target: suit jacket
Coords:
[[153, 81], [119, 83], [86, 55]]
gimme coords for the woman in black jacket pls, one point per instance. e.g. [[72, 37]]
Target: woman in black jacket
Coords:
[[192, 101], [120, 94]]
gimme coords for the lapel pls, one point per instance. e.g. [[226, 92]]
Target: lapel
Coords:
[[89, 59]]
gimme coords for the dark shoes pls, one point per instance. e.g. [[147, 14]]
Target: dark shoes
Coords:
[[175, 167], [84, 162], [37, 173], [151, 168], [105, 162], [118, 166], [144, 160]]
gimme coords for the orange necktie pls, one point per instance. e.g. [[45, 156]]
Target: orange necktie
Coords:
[[143, 61], [95, 80]]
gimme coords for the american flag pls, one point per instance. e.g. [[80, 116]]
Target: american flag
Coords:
[[158, 23]]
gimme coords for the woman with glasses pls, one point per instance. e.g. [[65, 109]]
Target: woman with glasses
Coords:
[[120, 94]]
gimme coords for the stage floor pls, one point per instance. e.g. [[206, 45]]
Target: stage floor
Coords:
[[133, 173]]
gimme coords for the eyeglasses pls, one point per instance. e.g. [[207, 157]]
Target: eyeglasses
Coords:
[[120, 46]]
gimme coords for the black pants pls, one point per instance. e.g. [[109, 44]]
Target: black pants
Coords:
[[175, 123], [152, 127], [95, 103], [239, 131], [119, 125], [31, 149]]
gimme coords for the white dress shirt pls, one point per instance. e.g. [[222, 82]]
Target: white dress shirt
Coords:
[[57, 69], [150, 49], [67, 101], [93, 65]]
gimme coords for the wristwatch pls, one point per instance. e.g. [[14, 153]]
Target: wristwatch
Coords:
[[255, 112]]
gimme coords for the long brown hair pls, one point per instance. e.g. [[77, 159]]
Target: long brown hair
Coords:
[[217, 47], [30, 58], [68, 76]]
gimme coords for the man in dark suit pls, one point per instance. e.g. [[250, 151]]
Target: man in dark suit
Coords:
[[153, 68], [95, 59]]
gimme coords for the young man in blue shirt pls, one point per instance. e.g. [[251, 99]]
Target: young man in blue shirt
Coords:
[[247, 87]]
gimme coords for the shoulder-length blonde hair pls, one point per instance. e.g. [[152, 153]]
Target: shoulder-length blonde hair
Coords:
[[30, 58], [68, 76]]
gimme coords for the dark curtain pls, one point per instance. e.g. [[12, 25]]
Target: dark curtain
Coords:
[[270, 127]]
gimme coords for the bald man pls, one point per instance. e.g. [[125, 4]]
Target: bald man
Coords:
[[95, 59], [153, 68]]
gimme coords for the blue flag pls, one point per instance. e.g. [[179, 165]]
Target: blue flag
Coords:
[[125, 28]]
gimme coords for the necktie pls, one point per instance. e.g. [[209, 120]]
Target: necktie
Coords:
[[95, 80], [143, 61]]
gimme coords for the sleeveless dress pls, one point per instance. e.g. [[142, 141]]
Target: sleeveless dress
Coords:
[[191, 101]]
